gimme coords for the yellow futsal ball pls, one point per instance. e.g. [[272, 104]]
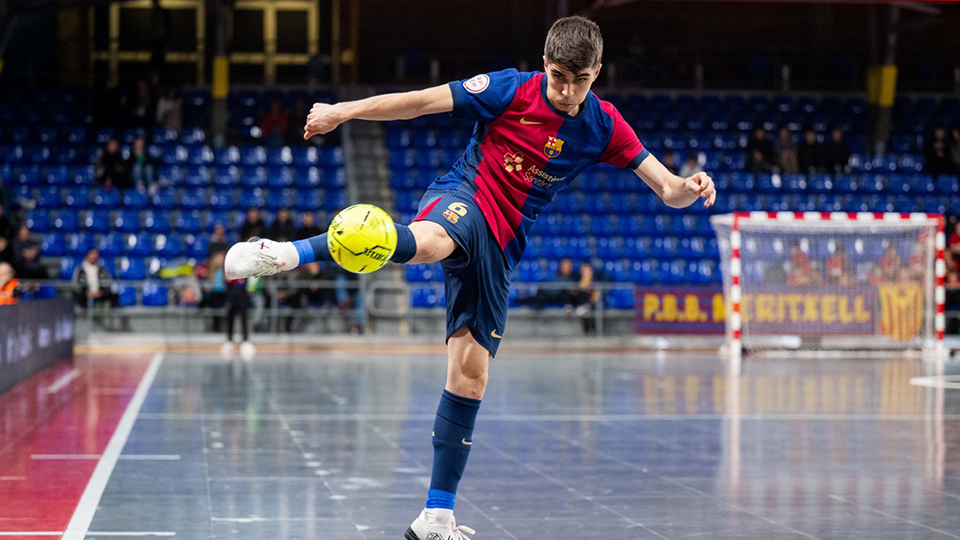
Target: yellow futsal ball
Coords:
[[362, 238]]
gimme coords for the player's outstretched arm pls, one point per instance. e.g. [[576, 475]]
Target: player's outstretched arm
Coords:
[[675, 191], [325, 117]]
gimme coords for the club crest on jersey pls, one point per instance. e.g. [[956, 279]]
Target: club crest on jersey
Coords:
[[477, 84], [553, 147]]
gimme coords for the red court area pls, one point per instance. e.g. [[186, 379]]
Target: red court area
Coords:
[[53, 428]]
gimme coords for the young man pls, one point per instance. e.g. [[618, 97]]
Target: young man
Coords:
[[535, 133]]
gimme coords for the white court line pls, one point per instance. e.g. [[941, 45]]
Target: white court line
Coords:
[[951, 382], [31, 533], [87, 507], [125, 457], [63, 381], [130, 533]]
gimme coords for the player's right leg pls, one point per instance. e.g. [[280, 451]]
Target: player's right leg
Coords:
[[420, 242]]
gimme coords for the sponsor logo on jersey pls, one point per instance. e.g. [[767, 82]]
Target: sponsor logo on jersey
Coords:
[[537, 177], [553, 147], [493, 333], [513, 162], [477, 84], [524, 121]]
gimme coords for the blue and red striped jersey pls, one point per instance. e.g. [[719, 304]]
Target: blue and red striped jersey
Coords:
[[523, 151]]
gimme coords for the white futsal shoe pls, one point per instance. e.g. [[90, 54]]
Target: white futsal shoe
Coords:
[[421, 529], [259, 257]]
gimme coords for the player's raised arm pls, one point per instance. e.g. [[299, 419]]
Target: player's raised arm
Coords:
[[676, 191], [325, 117]]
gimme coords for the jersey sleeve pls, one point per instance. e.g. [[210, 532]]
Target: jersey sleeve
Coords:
[[485, 97], [624, 149]]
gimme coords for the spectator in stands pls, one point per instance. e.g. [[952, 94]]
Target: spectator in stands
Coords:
[[283, 227], [274, 125], [215, 286], [308, 228], [955, 148], [800, 271], [112, 168], [836, 153], [6, 196], [238, 303], [888, 270], [692, 165], [810, 156], [838, 268], [142, 108], [9, 290], [760, 155], [218, 242], [670, 162], [253, 226], [6, 237], [938, 155], [588, 297], [91, 282], [314, 293], [786, 151], [349, 297], [141, 166], [169, 108], [26, 256]]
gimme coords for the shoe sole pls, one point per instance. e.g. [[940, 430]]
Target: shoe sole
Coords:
[[410, 535]]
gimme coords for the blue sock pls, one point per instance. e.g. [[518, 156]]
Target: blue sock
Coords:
[[452, 437], [315, 248]]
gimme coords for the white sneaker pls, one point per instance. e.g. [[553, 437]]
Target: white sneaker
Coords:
[[247, 350], [421, 529], [259, 257], [226, 350]]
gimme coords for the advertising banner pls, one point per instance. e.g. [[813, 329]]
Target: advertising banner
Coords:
[[33, 335]]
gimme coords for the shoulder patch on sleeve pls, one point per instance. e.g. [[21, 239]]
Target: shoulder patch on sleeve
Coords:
[[477, 84]]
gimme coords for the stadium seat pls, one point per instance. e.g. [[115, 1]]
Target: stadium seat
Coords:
[[67, 267], [66, 221], [126, 296], [155, 295], [139, 245], [97, 221], [169, 246], [111, 245], [79, 244], [38, 221]]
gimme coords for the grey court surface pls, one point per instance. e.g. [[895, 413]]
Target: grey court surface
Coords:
[[616, 445]]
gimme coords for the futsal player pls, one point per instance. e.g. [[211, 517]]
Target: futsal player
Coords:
[[535, 132]]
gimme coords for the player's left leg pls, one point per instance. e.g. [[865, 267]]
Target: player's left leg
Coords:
[[468, 363]]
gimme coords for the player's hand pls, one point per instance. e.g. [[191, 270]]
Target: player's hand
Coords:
[[323, 118], [702, 185]]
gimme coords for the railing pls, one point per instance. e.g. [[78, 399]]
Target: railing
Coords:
[[369, 302]]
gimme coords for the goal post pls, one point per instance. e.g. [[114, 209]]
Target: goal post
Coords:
[[822, 281]]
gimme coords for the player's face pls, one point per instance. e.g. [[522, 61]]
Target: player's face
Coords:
[[567, 90]]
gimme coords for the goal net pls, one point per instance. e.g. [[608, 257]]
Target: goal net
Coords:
[[818, 282]]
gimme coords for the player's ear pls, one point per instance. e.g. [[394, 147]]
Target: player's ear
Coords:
[[544, 63], [597, 73]]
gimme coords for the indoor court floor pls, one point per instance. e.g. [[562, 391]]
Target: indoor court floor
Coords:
[[608, 444]]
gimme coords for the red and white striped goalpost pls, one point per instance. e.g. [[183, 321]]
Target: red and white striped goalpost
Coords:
[[735, 321]]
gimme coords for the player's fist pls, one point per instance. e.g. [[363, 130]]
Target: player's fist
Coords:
[[702, 185], [323, 118]]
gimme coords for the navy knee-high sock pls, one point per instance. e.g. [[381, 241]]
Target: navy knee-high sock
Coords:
[[315, 248], [452, 437]]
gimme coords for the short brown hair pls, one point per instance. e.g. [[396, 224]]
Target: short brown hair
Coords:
[[574, 43]]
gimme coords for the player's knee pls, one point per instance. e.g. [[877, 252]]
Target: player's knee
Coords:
[[469, 382]]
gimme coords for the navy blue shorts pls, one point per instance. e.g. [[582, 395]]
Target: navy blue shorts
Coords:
[[476, 277]]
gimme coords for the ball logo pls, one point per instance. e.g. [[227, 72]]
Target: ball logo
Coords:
[[477, 84]]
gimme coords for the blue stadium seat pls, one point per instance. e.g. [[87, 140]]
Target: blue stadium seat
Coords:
[[97, 221], [38, 221], [49, 197], [126, 296], [67, 267], [111, 245], [164, 199], [253, 156], [193, 199], [77, 198], [169, 246], [66, 221], [79, 244], [139, 245], [155, 295], [53, 245], [198, 246], [188, 222], [222, 199], [107, 199]]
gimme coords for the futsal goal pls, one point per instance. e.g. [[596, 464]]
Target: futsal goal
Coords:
[[820, 282]]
